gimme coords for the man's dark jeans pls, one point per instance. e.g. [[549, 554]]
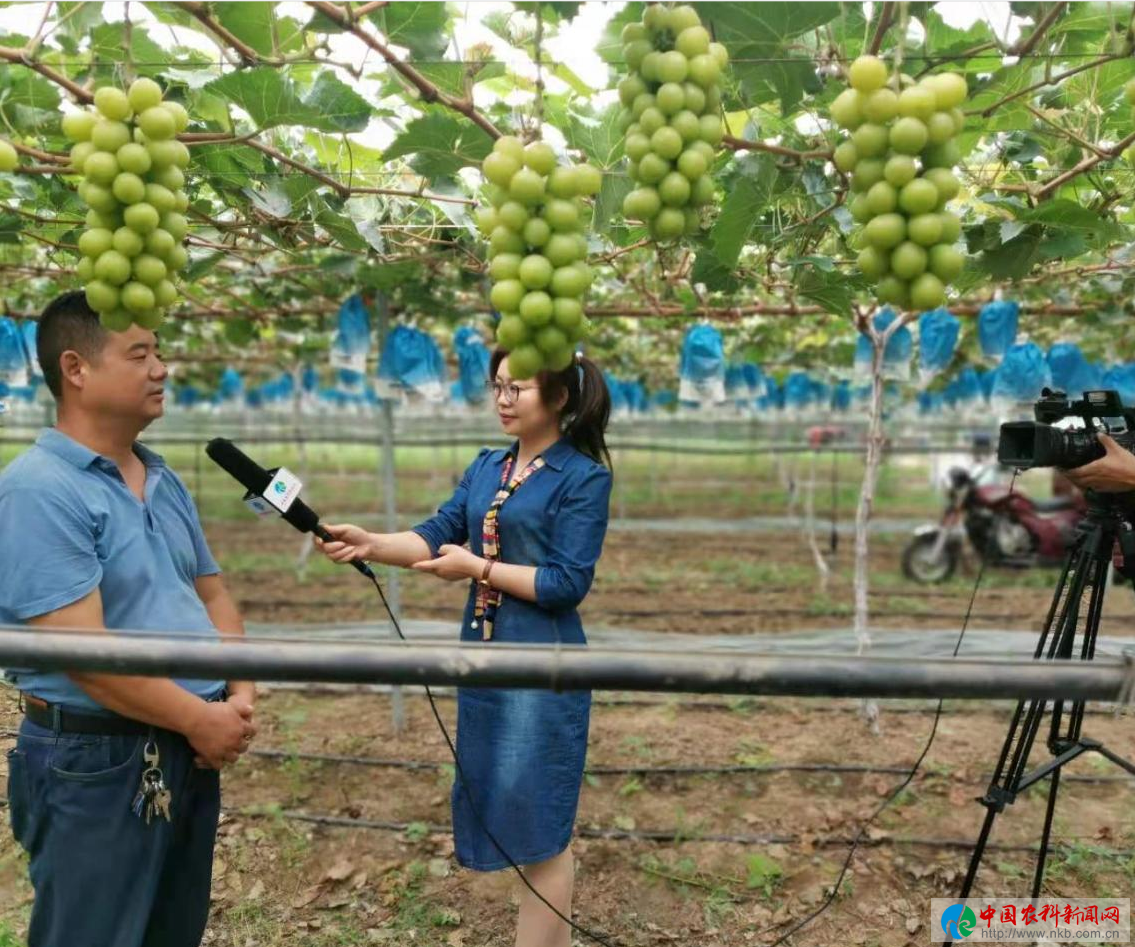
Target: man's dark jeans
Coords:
[[102, 876]]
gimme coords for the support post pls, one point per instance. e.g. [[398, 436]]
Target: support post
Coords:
[[810, 524], [390, 502], [875, 440]]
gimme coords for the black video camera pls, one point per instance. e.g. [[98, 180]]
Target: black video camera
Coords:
[[1026, 444]]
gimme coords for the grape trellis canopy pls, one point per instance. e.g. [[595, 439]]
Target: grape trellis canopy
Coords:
[[336, 147]]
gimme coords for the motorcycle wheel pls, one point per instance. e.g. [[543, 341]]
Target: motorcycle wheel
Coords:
[[920, 565]]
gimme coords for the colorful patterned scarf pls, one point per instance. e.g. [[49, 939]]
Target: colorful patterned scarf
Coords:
[[488, 598]]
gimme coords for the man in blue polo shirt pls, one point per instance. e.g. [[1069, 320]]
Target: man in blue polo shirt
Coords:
[[98, 534]]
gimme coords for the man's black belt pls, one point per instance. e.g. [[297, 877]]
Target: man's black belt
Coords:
[[44, 715]]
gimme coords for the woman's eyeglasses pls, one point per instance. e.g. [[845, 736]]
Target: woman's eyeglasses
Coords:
[[511, 392]]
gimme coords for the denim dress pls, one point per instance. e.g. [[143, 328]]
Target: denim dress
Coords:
[[522, 751]]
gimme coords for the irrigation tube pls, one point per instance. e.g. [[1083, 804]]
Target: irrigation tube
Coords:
[[566, 668], [767, 769], [666, 703], [675, 836]]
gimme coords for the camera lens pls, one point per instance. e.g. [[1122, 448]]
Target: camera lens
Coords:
[[1026, 444], [1077, 448]]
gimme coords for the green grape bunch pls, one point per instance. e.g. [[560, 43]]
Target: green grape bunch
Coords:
[[671, 115], [534, 221], [900, 154], [133, 183]]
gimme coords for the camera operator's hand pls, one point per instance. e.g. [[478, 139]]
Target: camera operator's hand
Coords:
[[1112, 473]]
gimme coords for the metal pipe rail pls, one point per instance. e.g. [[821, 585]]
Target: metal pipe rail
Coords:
[[753, 449], [565, 668]]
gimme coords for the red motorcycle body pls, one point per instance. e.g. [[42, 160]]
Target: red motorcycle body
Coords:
[[1003, 528], [1052, 523]]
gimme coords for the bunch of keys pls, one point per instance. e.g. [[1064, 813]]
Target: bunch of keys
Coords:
[[153, 797]]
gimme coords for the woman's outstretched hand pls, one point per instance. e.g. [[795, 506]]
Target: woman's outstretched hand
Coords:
[[349, 543], [453, 563]]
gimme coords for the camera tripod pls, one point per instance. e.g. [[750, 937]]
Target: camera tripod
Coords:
[[1080, 589]]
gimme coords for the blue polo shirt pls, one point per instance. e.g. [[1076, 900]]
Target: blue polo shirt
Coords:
[[69, 524]]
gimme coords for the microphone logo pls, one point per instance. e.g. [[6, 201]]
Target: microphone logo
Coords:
[[277, 498], [283, 490]]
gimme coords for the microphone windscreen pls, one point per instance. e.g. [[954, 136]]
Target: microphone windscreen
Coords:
[[302, 516], [242, 468]]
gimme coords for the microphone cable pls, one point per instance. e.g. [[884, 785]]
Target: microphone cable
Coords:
[[578, 928], [906, 781]]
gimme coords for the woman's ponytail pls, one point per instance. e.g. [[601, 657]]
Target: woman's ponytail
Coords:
[[586, 415]]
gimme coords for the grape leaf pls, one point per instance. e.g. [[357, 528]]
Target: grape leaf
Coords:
[[597, 136], [450, 77], [746, 201], [441, 145], [341, 108], [609, 201], [24, 87], [272, 99], [764, 65], [828, 288], [420, 27], [10, 228], [552, 10], [764, 25], [251, 23], [108, 44], [240, 331]]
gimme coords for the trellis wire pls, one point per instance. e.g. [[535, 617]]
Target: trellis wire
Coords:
[[647, 771]]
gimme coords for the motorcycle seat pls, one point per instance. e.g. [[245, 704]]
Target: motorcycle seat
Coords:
[[1054, 505]]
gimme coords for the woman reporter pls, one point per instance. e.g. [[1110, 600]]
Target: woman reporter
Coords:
[[535, 517]]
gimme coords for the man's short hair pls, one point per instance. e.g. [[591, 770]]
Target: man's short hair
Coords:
[[67, 324]]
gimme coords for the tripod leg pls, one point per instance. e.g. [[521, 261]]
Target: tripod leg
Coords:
[[1116, 759], [1091, 635], [978, 853], [975, 860], [1050, 811]]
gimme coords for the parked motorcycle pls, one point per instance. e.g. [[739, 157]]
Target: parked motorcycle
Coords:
[[1006, 529]]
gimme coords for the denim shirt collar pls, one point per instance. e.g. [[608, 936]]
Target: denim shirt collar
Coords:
[[78, 455], [555, 456]]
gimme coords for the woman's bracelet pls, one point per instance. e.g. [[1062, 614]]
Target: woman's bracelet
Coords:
[[489, 563]]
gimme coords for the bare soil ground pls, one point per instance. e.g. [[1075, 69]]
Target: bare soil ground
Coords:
[[281, 880]]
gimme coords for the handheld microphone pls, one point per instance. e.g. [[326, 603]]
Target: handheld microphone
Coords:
[[271, 491]]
